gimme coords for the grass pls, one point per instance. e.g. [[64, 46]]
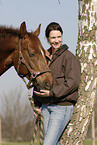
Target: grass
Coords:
[[87, 142], [19, 143]]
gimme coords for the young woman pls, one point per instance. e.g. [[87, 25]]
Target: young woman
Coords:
[[57, 104]]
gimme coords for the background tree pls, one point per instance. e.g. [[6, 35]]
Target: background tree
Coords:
[[87, 53], [17, 116]]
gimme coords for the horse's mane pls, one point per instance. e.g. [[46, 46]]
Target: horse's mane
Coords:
[[10, 30]]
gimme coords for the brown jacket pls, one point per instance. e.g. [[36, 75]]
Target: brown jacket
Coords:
[[65, 68]]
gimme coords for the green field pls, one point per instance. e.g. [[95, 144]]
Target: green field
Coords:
[[87, 142], [19, 143]]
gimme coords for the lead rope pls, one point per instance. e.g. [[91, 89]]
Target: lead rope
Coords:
[[38, 123]]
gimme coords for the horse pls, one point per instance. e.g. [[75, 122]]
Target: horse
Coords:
[[24, 51]]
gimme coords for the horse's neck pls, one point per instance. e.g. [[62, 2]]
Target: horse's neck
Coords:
[[7, 50]]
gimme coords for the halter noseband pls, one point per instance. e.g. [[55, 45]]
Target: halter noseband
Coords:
[[33, 75]]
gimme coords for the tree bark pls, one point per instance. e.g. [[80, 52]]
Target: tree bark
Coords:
[[87, 53], [93, 128]]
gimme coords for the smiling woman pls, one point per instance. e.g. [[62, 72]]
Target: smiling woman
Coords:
[[57, 103]]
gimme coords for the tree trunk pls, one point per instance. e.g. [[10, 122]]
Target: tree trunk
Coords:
[[87, 53], [93, 128]]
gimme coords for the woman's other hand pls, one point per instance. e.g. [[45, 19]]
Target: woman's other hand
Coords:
[[43, 93]]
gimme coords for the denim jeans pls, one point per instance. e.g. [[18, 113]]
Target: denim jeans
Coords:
[[56, 117]]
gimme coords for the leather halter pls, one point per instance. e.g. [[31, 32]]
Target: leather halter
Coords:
[[21, 60]]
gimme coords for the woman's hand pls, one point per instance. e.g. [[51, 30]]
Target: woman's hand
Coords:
[[43, 93]]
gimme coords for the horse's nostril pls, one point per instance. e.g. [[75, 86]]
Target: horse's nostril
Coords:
[[47, 85]]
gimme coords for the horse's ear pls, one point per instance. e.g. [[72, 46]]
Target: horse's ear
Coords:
[[23, 29], [37, 32]]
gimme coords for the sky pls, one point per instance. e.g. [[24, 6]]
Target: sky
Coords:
[[35, 12]]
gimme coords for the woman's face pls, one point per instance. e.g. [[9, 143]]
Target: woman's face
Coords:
[[55, 39]]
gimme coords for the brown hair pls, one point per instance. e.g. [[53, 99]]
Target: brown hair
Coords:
[[52, 26]]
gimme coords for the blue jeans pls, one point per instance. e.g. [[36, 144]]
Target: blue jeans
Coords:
[[56, 117]]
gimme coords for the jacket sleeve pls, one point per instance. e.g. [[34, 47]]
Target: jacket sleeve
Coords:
[[37, 103], [71, 78]]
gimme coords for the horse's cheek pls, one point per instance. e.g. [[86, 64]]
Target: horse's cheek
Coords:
[[23, 70]]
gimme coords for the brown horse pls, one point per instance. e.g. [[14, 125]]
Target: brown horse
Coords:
[[24, 51]]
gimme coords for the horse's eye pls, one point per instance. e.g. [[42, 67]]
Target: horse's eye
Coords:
[[31, 54]]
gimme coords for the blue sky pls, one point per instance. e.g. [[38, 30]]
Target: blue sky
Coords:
[[34, 12]]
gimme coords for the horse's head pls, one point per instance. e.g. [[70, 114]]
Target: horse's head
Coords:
[[30, 61]]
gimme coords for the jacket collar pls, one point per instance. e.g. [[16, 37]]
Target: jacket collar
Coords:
[[56, 54]]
